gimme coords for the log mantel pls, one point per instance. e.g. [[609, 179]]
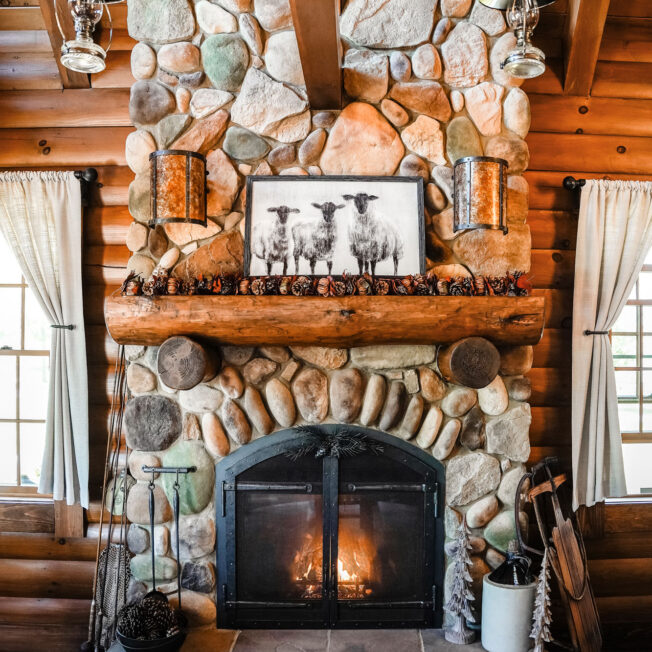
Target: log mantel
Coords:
[[333, 321]]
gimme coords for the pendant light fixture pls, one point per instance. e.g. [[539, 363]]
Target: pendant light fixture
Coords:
[[525, 60], [82, 54]]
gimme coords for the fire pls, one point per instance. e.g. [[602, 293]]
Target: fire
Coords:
[[354, 566]]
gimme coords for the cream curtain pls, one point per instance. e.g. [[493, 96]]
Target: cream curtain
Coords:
[[40, 217], [613, 237]]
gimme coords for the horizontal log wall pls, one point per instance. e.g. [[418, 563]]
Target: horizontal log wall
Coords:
[[43, 126], [581, 136]]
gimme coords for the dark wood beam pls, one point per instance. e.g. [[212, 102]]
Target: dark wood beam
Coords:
[[583, 34], [69, 78], [316, 23]]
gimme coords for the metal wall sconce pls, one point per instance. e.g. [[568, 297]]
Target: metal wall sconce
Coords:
[[82, 54], [178, 187], [479, 197]]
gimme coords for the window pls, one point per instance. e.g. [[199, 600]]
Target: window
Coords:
[[631, 340], [24, 376]]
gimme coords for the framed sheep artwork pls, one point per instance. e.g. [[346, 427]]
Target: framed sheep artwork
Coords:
[[334, 225]]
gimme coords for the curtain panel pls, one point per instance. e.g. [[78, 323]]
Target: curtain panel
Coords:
[[613, 237], [41, 219]]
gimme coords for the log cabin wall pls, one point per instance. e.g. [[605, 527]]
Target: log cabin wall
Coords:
[[607, 135], [44, 126]]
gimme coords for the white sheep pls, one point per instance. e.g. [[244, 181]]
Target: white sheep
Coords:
[[372, 239], [271, 243], [315, 239]]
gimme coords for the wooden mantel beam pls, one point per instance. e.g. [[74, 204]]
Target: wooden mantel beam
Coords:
[[69, 78], [584, 26], [316, 23]]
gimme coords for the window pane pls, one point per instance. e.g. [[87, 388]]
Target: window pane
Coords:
[[647, 417], [37, 327], [626, 322], [8, 458], [648, 258], [10, 322], [645, 285], [7, 387], [626, 384], [647, 351], [10, 270], [32, 443], [633, 295], [624, 350], [628, 417], [646, 325], [638, 468], [34, 375]]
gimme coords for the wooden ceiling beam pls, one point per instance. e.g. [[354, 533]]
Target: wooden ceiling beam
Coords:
[[69, 78], [316, 23], [583, 34]]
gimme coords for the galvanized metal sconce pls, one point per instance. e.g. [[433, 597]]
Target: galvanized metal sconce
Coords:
[[480, 193], [178, 187]]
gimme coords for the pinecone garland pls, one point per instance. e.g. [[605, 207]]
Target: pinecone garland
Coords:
[[228, 285], [257, 286], [381, 287], [301, 287], [285, 286], [173, 285], [244, 286]]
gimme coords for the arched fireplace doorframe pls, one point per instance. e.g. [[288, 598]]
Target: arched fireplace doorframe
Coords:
[[427, 611]]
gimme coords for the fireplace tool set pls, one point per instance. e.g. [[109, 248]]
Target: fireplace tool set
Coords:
[[151, 623], [112, 570]]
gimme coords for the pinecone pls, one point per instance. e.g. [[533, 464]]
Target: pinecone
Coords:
[[244, 286], [455, 289], [133, 287], [399, 288], [381, 287], [324, 288], [160, 282], [301, 287], [479, 285], [148, 288], [285, 286], [271, 285], [421, 289], [498, 285], [229, 285], [339, 288], [364, 286], [257, 286], [189, 287], [130, 620], [467, 286], [442, 287], [173, 285]]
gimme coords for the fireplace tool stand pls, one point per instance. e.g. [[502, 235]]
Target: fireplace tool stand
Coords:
[[151, 623]]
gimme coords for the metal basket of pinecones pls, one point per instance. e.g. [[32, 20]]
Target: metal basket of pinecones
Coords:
[[151, 624]]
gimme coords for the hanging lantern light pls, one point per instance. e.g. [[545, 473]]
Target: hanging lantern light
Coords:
[[525, 60], [178, 187], [479, 200], [504, 4], [82, 54]]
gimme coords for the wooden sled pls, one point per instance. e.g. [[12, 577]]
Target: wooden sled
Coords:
[[562, 538]]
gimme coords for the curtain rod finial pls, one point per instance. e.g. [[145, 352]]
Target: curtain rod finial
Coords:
[[89, 175], [571, 183]]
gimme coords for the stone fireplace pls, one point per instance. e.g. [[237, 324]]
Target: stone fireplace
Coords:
[[261, 436], [423, 88]]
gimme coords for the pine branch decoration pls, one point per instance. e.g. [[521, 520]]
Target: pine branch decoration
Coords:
[[343, 443], [541, 618], [459, 604]]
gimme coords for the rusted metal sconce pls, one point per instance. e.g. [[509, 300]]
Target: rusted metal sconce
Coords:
[[178, 187], [479, 193]]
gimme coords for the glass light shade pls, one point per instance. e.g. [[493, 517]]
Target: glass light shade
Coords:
[[504, 4], [83, 55], [479, 194], [178, 187], [525, 62]]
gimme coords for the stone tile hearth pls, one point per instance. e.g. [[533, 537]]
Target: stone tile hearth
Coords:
[[346, 640]]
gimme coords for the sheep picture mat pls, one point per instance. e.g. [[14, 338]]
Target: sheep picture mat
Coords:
[[334, 225]]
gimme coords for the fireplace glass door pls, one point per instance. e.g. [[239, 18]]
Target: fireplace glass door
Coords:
[[322, 540]]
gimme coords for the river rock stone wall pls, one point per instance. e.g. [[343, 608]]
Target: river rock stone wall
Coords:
[[423, 87], [481, 436]]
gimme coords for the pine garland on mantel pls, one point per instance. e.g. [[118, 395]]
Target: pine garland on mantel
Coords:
[[161, 284]]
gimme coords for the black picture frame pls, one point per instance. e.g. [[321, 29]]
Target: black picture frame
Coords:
[[253, 180]]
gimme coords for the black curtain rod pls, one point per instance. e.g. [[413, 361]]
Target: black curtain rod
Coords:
[[88, 175], [571, 183]]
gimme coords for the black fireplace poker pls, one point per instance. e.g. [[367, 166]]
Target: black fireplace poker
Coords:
[[168, 469]]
